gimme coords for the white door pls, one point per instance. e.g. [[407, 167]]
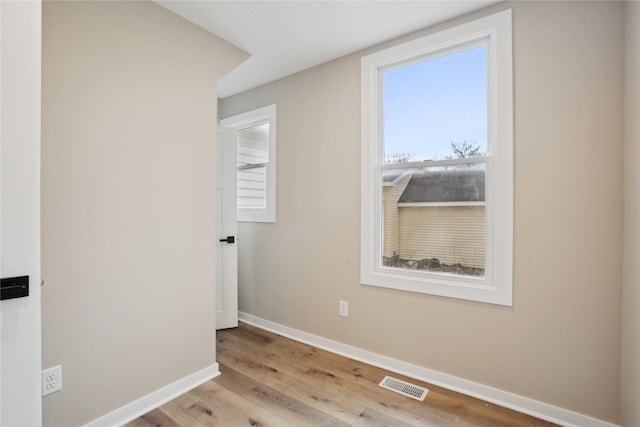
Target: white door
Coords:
[[226, 229], [20, 362]]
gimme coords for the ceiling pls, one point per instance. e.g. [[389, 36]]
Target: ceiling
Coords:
[[284, 37]]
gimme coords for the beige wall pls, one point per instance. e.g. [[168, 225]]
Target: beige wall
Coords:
[[630, 367], [129, 122], [560, 342]]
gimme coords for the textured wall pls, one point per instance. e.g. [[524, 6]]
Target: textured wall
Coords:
[[560, 342], [129, 124]]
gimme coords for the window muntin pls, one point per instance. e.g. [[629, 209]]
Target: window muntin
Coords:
[[490, 40]]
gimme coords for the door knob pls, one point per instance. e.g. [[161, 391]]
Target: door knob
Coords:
[[229, 239]]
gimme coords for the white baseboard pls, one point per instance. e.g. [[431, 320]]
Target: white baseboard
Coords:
[[499, 397], [133, 410]]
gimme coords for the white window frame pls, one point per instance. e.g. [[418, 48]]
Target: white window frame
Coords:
[[497, 284], [246, 120]]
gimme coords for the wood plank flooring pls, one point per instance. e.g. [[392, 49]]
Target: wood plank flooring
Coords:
[[268, 380]]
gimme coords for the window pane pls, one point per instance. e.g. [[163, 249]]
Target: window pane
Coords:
[[253, 157], [434, 219], [437, 109]]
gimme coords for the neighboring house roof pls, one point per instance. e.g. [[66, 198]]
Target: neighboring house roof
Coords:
[[392, 177], [454, 185]]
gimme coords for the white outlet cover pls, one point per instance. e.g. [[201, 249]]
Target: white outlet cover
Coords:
[[51, 380], [344, 308]]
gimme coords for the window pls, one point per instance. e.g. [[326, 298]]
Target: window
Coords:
[[437, 164], [256, 163]]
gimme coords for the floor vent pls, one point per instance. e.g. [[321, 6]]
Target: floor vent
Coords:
[[403, 387]]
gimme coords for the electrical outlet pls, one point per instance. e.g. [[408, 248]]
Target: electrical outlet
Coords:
[[51, 380], [344, 308]]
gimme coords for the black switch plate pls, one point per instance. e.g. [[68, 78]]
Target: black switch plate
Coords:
[[14, 287]]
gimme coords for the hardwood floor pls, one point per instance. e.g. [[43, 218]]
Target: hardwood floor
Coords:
[[269, 380]]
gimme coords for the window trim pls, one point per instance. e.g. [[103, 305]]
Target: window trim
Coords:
[[246, 120], [497, 285]]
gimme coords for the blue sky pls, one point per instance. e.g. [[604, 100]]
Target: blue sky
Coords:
[[432, 103]]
